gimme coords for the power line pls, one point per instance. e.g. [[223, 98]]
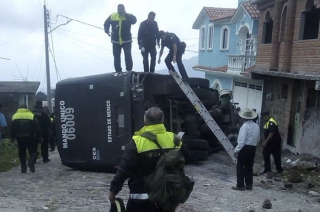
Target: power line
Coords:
[[84, 42], [80, 21], [86, 50], [83, 34], [20, 36]]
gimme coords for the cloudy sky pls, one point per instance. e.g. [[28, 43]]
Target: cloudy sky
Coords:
[[80, 49]]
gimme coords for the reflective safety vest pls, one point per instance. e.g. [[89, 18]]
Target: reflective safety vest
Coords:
[[266, 126], [164, 138], [23, 114]]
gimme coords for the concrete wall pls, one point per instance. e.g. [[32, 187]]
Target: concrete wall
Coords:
[[311, 133]]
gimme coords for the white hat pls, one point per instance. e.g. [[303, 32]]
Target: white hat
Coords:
[[247, 114]]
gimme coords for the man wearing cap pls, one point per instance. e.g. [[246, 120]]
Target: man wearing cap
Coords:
[[248, 138], [272, 143], [176, 50], [45, 124]]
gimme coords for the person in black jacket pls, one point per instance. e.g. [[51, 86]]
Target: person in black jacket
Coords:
[[25, 129], [177, 48], [147, 40], [52, 130], [139, 159], [272, 144], [121, 36], [45, 124]]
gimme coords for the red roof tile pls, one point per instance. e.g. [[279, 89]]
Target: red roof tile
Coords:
[[220, 69], [252, 10], [215, 13]]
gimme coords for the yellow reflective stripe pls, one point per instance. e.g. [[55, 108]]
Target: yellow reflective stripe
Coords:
[[118, 205], [120, 18], [272, 120], [266, 126], [165, 140], [23, 114]]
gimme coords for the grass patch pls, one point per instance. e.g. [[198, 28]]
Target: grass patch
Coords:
[[9, 157]]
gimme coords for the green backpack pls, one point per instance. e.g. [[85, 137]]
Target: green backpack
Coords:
[[168, 186]]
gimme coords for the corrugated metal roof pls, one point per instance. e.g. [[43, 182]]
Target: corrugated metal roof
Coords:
[[18, 87]]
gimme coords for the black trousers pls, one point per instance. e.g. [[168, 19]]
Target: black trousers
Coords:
[[140, 206], [24, 144], [245, 166], [275, 151], [44, 146], [117, 56], [52, 141], [169, 59], [153, 54]]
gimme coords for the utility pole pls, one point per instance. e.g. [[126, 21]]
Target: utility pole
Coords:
[[47, 57]]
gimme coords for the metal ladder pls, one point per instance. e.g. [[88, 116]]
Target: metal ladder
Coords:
[[187, 90]]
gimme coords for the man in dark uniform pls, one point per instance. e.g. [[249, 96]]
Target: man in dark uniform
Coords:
[[139, 159], [147, 40], [45, 124], [272, 143], [177, 48], [52, 130], [120, 23], [25, 128]]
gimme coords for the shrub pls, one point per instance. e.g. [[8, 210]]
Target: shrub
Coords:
[[9, 157]]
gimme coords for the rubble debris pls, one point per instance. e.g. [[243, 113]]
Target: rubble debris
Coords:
[[294, 177], [311, 185], [267, 204], [286, 184], [277, 179], [269, 175], [294, 162], [314, 194]]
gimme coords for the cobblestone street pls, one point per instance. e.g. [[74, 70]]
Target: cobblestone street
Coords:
[[57, 188]]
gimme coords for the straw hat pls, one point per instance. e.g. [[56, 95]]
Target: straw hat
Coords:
[[247, 114]]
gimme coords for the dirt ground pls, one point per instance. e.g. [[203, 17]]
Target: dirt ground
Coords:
[[57, 188]]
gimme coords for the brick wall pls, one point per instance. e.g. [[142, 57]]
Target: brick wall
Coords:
[[297, 56], [263, 50]]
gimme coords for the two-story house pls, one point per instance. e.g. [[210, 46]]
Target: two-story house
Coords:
[[227, 51], [289, 63]]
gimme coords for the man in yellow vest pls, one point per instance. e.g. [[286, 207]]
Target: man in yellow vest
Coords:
[[25, 129], [121, 22], [272, 144], [139, 160]]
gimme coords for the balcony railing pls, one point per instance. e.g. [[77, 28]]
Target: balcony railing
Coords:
[[239, 63]]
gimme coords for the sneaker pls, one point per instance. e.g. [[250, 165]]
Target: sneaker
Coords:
[[238, 188]]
